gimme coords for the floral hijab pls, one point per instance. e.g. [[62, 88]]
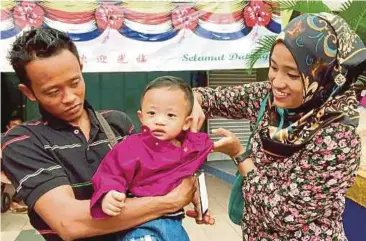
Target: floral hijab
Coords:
[[329, 56]]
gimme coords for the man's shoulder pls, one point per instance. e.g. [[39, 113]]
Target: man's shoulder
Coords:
[[119, 120], [26, 128], [113, 115]]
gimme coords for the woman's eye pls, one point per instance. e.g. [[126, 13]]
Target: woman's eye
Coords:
[[293, 76], [273, 68]]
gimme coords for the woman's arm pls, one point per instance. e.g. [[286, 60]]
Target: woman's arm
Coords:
[[316, 178], [236, 102]]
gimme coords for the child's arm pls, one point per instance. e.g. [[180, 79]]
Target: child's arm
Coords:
[[114, 174], [113, 202]]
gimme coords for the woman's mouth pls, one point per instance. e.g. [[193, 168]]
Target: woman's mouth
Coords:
[[279, 94]]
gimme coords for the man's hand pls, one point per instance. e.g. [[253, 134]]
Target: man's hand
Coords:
[[207, 218], [197, 114], [182, 195], [229, 144], [113, 202]]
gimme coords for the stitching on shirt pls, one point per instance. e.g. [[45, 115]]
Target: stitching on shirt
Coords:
[[146, 237], [174, 214], [61, 147], [104, 141], [36, 123], [105, 111], [20, 138], [39, 171]]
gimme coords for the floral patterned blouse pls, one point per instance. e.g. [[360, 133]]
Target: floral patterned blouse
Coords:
[[300, 197]]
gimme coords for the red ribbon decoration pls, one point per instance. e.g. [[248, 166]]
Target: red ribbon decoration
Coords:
[[5, 14], [257, 13], [28, 14], [109, 15], [185, 18], [221, 18], [147, 18], [67, 17]]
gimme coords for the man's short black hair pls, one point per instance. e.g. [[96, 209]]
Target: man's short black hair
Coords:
[[15, 115], [174, 83], [38, 43]]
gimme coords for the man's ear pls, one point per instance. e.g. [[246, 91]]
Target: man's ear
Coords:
[[27, 92], [187, 123]]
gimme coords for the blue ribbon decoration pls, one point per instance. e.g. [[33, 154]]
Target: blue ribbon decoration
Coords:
[[204, 33], [273, 26], [9, 33], [85, 36], [132, 34]]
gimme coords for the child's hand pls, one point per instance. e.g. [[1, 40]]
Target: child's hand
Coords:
[[113, 202]]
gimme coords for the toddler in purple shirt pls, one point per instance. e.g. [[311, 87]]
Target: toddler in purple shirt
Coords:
[[154, 161]]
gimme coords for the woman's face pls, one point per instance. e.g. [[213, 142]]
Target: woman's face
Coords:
[[285, 78]]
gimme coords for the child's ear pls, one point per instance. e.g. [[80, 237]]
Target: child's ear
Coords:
[[187, 123], [139, 115]]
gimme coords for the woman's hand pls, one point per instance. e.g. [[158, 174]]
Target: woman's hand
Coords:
[[229, 144], [197, 113]]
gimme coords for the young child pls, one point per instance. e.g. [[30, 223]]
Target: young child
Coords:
[[153, 162]]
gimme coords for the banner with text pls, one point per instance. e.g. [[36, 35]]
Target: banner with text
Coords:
[[148, 36]]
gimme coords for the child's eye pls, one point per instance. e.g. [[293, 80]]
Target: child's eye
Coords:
[[151, 113], [171, 115]]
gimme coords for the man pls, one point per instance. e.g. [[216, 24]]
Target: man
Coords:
[[51, 160]]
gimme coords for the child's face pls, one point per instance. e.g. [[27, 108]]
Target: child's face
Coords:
[[165, 112]]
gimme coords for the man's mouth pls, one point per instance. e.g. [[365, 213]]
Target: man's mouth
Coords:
[[73, 109]]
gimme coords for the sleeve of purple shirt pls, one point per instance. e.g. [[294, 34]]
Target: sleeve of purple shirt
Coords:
[[114, 173]]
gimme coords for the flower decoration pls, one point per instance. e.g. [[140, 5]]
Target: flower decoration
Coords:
[[257, 12], [28, 14], [109, 16], [185, 18]]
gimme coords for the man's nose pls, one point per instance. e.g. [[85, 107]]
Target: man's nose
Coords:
[[69, 96]]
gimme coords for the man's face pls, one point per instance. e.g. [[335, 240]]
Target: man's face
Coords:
[[58, 85]]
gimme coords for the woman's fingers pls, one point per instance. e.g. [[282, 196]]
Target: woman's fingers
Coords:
[[229, 144], [222, 132], [197, 115]]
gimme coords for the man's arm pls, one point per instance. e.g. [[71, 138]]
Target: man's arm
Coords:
[[71, 219]]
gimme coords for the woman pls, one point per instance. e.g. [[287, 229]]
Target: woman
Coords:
[[304, 152]]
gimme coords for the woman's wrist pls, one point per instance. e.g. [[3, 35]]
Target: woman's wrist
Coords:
[[198, 97], [246, 166], [244, 161]]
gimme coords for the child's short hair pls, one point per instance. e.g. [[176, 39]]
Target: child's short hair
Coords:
[[173, 83]]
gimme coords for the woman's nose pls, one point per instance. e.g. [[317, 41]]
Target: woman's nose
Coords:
[[279, 82]]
